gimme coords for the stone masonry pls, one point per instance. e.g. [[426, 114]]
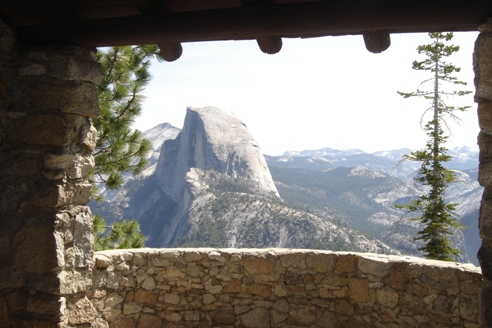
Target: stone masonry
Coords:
[[47, 96], [46, 139], [280, 288], [482, 64]]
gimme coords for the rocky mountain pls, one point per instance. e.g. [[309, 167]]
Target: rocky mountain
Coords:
[[157, 135], [217, 140], [361, 188], [210, 185]]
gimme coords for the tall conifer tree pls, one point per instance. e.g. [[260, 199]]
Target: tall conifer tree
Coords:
[[437, 216], [119, 148]]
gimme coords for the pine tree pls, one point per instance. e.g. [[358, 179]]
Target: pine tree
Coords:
[[119, 148], [437, 216], [120, 235]]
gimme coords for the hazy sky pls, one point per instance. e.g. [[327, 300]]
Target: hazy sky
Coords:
[[315, 93]]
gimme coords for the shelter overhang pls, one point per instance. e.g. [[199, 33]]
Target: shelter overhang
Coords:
[[169, 23]]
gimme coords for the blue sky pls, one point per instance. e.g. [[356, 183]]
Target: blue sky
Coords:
[[315, 93]]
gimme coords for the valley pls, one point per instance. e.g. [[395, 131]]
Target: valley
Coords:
[[205, 189]]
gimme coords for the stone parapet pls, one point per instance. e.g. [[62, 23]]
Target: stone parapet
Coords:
[[280, 288]]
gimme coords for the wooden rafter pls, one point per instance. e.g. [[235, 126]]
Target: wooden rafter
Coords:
[[377, 41], [170, 51], [306, 19], [269, 44], [57, 10]]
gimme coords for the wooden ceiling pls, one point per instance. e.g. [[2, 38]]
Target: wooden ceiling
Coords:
[[96, 23]]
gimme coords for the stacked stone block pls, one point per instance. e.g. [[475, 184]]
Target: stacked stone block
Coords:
[[280, 288], [47, 96], [482, 64], [46, 255]]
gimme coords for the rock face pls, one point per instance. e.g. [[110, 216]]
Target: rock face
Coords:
[[212, 139], [213, 143]]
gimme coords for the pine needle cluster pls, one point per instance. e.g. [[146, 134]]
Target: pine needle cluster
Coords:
[[119, 148], [120, 235]]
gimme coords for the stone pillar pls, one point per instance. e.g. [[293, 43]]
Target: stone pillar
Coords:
[[46, 244], [482, 65]]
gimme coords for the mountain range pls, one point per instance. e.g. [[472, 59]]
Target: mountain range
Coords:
[[209, 185]]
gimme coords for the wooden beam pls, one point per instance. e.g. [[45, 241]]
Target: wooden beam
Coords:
[[144, 6], [269, 44], [196, 5], [377, 41], [57, 10], [306, 19]]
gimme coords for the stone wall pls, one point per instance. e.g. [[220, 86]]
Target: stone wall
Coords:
[[482, 64], [46, 98], [280, 288]]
